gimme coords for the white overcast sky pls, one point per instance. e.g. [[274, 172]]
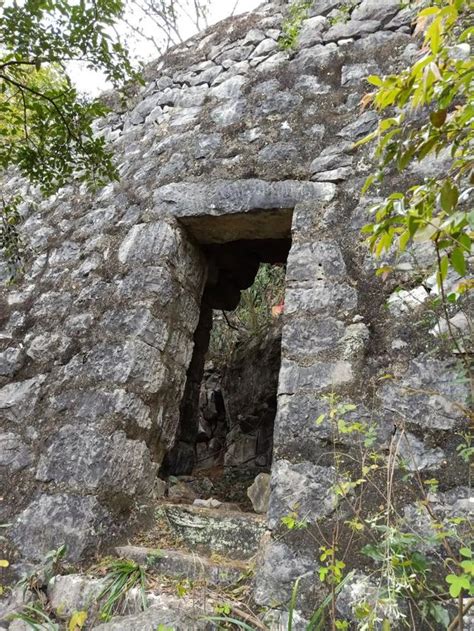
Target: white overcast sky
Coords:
[[93, 83]]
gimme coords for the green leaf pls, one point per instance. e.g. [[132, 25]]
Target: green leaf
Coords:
[[449, 196], [457, 584], [458, 261], [438, 118], [442, 271], [375, 80]]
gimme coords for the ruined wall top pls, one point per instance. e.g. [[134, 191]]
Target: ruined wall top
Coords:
[[230, 104]]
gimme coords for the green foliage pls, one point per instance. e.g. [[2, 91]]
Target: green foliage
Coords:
[[51, 565], [293, 522], [253, 317], [331, 570], [462, 583], [36, 618], [77, 621], [122, 576], [432, 115], [45, 126], [291, 27]]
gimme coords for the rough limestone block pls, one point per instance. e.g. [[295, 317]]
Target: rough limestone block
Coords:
[[259, 493], [302, 488], [305, 337], [352, 28], [18, 399], [318, 376], [321, 298], [14, 453], [11, 360], [83, 458], [311, 31], [278, 569], [165, 611], [236, 535], [221, 196], [429, 394], [53, 520], [73, 592], [376, 10]]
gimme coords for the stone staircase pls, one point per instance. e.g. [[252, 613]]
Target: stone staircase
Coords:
[[198, 558]]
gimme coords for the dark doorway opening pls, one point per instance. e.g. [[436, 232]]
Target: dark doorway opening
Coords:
[[229, 404]]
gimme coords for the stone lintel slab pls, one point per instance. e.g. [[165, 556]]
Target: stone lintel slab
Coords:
[[187, 199]]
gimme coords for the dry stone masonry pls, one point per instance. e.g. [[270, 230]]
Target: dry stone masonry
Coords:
[[231, 140]]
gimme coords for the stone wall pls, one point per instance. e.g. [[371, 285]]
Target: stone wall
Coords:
[[98, 335]]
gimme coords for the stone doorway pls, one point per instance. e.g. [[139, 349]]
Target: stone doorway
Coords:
[[227, 413]]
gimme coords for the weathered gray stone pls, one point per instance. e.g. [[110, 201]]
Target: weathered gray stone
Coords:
[[215, 531], [254, 36], [376, 10], [47, 348], [73, 592], [323, 7], [242, 448], [331, 165], [135, 361], [230, 88], [359, 589], [310, 86], [407, 301], [11, 360], [229, 113], [183, 565], [414, 455], [14, 453], [166, 612], [318, 376], [430, 394], [226, 196], [455, 503], [84, 459], [359, 128], [265, 47], [315, 262], [96, 405], [12, 603], [53, 520], [304, 488], [278, 571], [18, 399], [316, 59], [307, 337], [355, 74], [311, 31], [321, 297], [259, 493], [459, 326], [352, 28], [355, 341]]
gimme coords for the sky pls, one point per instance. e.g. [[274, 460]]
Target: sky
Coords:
[[93, 83]]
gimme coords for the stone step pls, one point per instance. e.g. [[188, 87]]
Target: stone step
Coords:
[[178, 564], [77, 592], [233, 534], [165, 612]]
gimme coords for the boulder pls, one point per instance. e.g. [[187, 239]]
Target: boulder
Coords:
[[259, 493]]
